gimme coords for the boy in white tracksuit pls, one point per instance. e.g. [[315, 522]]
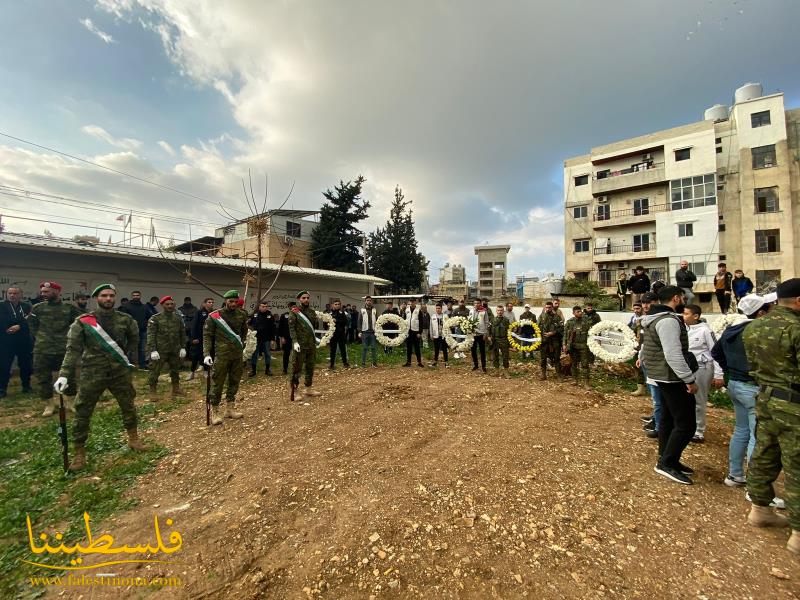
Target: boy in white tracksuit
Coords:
[[701, 340]]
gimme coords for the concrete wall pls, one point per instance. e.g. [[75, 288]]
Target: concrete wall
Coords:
[[82, 272]]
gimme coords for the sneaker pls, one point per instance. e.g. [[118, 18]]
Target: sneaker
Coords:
[[673, 474], [651, 433], [646, 418], [375, 365], [650, 424], [776, 502], [475, 368], [698, 438], [735, 481], [407, 365], [685, 470]]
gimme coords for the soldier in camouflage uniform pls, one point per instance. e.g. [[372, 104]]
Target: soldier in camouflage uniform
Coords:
[[49, 322], [552, 328], [82, 302], [224, 334], [302, 323], [498, 337], [166, 345], [576, 336], [101, 340], [772, 344]]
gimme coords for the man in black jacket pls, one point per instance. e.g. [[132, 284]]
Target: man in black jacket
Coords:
[[684, 279], [187, 311], [263, 324], [339, 339], [196, 334], [285, 336], [639, 284], [15, 340], [141, 314]]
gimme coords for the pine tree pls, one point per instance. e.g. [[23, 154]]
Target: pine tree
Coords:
[[392, 250], [336, 242]]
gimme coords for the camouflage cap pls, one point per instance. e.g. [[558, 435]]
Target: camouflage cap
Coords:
[[789, 288], [101, 287], [300, 293], [231, 294]]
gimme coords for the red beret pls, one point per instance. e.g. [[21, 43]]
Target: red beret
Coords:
[[240, 302], [164, 299], [50, 284]]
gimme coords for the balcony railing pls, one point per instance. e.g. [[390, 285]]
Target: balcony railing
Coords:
[[618, 249], [630, 212], [638, 176]]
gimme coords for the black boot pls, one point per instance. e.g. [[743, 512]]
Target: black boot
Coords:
[[252, 372]]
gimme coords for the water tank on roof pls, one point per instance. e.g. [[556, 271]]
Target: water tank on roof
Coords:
[[718, 112], [748, 91]]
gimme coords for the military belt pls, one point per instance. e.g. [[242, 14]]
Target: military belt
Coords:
[[779, 394]]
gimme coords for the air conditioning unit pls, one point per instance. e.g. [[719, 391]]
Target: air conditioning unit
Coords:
[[602, 199], [647, 156], [288, 240]]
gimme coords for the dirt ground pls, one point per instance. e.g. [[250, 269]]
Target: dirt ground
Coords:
[[400, 482]]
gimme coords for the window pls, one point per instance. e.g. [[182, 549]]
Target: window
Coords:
[[717, 140], [603, 212], [579, 212], [605, 278], [768, 278], [641, 242], [721, 227], [768, 240], [581, 180], [641, 206], [683, 154], [759, 119], [603, 174], [581, 245], [698, 268], [766, 200], [292, 229], [582, 275], [693, 192], [719, 149], [764, 157], [685, 229]]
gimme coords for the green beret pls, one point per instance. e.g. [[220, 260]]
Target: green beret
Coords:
[[101, 287], [230, 294], [302, 292]]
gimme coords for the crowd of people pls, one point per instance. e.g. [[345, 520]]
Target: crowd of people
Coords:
[[729, 288], [679, 361]]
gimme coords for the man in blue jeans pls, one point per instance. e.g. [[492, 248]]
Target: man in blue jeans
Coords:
[[742, 389], [366, 331]]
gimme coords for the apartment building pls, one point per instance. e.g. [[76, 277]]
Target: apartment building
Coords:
[[452, 274], [724, 189], [492, 270]]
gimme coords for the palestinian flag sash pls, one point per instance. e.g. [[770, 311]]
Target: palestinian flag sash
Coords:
[[226, 329], [305, 320], [90, 325]]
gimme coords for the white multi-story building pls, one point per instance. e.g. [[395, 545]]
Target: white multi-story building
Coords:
[[724, 189], [452, 274]]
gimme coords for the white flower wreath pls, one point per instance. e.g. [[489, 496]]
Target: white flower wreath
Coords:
[[327, 334], [450, 337], [621, 337], [725, 321], [249, 345], [400, 334]]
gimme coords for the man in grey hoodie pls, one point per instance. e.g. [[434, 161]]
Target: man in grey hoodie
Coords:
[[666, 354]]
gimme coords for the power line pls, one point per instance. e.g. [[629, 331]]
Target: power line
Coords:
[[118, 172]]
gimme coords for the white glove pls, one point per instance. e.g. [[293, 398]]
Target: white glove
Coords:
[[208, 361], [154, 355], [182, 353], [296, 346], [60, 385]]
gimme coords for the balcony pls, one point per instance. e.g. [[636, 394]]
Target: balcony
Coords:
[[632, 177], [622, 252], [628, 216]]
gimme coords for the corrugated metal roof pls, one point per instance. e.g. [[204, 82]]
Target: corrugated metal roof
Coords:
[[66, 245]]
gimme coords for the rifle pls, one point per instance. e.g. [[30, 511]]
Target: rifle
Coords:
[[208, 395], [62, 431]]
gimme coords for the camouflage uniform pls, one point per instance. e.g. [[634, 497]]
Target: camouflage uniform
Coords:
[[576, 334], [100, 371], [551, 346], [500, 343], [308, 345], [49, 323], [772, 343], [228, 360], [166, 335]]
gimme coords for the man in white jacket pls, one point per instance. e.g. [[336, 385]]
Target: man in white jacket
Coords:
[[412, 341], [701, 341], [437, 335]]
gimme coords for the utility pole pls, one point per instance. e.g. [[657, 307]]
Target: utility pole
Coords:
[[364, 246]]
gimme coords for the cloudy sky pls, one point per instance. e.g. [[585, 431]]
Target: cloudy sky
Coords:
[[470, 106]]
